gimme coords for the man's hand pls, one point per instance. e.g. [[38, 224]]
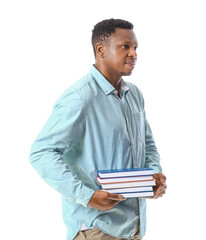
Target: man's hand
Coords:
[[160, 188], [104, 200]]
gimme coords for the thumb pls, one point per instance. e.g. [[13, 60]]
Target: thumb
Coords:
[[117, 197], [162, 181]]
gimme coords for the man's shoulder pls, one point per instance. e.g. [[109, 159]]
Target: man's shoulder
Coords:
[[73, 93], [81, 83]]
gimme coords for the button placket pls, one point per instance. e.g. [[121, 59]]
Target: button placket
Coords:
[[128, 126]]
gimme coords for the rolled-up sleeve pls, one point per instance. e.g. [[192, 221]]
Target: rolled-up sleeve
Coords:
[[63, 130], [152, 156]]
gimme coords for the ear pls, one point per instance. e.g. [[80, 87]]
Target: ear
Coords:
[[100, 49]]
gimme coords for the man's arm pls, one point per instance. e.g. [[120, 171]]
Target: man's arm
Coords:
[[62, 131], [153, 161]]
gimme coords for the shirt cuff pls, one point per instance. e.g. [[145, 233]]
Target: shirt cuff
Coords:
[[84, 196], [156, 170]]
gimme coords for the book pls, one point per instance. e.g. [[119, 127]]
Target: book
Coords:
[[128, 190], [125, 172], [133, 182], [123, 179], [138, 194], [128, 184]]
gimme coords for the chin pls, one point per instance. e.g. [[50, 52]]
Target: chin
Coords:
[[126, 73]]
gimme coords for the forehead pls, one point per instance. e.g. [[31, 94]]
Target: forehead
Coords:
[[123, 35]]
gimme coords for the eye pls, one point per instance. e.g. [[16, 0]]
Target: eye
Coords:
[[135, 48], [126, 46]]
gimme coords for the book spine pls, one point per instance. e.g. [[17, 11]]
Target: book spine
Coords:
[[131, 184], [125, 174]]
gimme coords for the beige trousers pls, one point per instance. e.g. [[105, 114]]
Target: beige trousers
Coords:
[[96, 234]]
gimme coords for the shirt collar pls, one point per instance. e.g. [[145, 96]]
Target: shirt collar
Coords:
[[104, 84]]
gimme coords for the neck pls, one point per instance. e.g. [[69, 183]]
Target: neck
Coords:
[[111, 77]]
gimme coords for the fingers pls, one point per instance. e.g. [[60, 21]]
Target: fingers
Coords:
[[111, 200], [160, 177], [115, 197], [160, 191], [104, 200], [161, 194]]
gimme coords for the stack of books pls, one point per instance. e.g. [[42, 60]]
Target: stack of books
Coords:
[[134, 182]]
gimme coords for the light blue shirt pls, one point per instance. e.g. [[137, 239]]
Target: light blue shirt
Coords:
[[92, 129]]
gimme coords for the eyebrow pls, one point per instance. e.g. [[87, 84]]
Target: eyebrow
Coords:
[[128, 42]]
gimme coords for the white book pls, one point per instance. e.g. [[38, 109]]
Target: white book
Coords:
[[125, 172], [128, 184], [138, 194], [129, 190], [123, 179]]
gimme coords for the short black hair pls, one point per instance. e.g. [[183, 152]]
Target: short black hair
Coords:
[[103, 30]]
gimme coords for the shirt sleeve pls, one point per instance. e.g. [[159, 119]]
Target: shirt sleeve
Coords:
[[152, 156], [61, 132]]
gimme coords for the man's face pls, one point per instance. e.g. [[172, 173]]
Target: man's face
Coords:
[[120, 53]]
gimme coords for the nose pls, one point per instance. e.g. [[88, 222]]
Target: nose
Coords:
[[132, 53]]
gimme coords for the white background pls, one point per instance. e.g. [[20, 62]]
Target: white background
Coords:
[[45, 47]]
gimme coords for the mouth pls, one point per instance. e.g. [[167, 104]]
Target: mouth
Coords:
[[130, 63]]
